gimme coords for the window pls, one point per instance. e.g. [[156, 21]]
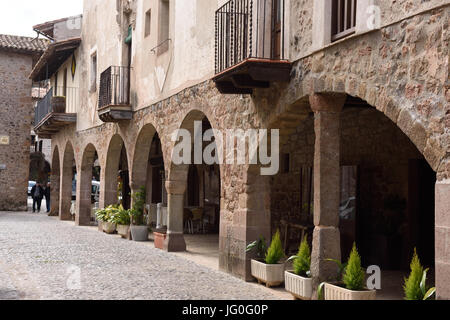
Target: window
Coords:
[[55, 92], [148, 21], [164, 26], [94, 72], [343, 18]]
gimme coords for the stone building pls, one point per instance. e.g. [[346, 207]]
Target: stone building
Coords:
[[17, 58], [358, 90]]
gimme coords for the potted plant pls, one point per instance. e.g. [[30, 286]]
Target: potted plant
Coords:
[[139, 228], [298, 281], [123, 220], [415, 287], [100, 216], [268, 270], [109, 225], [352, 285]]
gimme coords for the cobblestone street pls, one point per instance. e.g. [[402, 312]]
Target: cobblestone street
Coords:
[[40, 257]]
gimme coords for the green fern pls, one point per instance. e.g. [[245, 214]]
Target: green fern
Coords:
[[354, 274], [302, 262], [275, 252], [412, 285]]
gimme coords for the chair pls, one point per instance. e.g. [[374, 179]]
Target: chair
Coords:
[[188, 223]]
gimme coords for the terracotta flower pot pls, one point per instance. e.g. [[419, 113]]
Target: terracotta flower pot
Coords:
[[299, 287], [335, 292], [109, 227], [160, 238], [123, 230], [270, 274]]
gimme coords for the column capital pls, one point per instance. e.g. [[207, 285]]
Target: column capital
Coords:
[[176, 187], [327, 102]]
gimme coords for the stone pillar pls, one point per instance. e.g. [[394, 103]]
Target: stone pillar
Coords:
[[108, 188], [84, 191], [55, 192], [442, 239], [175, 238], [326, 239], [65, 199]]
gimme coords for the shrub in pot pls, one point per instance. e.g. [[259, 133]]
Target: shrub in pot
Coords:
[[298, 281], [100, 216], [415, 287], [123, 220], [351, 287], [268, 270], [139, 228], [109, 225]]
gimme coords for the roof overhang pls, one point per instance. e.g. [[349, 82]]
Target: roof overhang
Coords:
[[52, 59]]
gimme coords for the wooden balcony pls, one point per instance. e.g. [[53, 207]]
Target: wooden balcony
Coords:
[[51, 113], [114, 97], [250, 46]]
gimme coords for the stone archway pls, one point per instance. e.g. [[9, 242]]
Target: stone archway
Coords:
[[178, 178], [142, 147], [55, 181], [109, 176], [84, 187], [68, 165]]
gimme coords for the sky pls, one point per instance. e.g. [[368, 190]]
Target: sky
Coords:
[[17, 17]]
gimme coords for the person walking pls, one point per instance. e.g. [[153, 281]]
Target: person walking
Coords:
[[47, 197], [37, 192]]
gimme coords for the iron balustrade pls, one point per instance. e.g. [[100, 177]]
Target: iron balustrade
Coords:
[[343, 18], [249, 29], [45, 106], [114, 87]]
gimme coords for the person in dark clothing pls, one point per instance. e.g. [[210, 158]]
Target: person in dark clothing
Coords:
[[37, 192], [47, 197]]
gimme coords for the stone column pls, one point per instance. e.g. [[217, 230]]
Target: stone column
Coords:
[[84, 191], [175, 238], [442, 239], [65, 199], [326, 239], [55, 192]]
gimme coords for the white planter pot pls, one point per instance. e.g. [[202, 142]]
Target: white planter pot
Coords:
[[100, 226], [299, 287], [122, 230], [334, 292], [139, 233], [270, 274], [109, 227]]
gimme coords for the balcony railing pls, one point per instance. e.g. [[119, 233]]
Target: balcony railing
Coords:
[[114, 87], [249, 29], [43, 108], [48, 105]]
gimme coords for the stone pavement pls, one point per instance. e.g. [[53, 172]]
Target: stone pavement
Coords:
[[44, 258]]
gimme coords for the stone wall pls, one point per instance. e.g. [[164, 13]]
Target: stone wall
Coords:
[[16, 111]]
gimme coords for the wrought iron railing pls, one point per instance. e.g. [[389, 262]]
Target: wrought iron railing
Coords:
[[45, 106], [114, 87], [249, 29]]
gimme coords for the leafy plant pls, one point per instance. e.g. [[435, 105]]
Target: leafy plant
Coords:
[[260, 246], [350, 273], [354, 275], [302, 261], [275, 251], [122, 217], [415, 285], [137, 212]]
